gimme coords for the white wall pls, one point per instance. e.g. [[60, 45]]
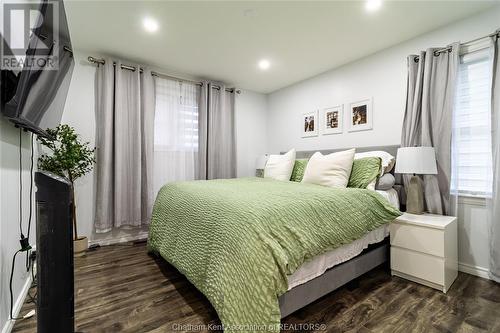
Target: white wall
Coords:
[[473, 237], [9, 213], [381, 76], [251, 126], [9, 210], [79, 112]]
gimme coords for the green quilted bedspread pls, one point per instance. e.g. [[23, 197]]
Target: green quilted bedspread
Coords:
[[237, 240]]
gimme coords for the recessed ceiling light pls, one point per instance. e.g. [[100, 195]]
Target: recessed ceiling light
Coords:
[[264, 64], [373, 5], [150, 24]]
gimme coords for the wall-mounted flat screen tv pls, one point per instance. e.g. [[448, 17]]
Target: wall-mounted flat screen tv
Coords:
[[33, 95]]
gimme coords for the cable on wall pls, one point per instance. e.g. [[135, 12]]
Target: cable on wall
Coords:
[[21, 183], [10, 285], [31, 184], [24, 242], [30, 216]]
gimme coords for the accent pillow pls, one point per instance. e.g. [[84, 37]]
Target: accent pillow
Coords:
[[388, 161], [365, 172], [329, 170], [280, 167], [386, 182], [298, 170]]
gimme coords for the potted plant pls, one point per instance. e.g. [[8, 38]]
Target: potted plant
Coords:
[[71, 159]]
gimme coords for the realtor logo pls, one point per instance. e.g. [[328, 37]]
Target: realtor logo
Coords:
[[24, 41]]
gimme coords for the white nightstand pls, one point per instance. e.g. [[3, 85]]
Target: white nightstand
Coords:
[[424, 249]]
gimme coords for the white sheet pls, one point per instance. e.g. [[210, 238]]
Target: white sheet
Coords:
[[320, 264], [391, 195]]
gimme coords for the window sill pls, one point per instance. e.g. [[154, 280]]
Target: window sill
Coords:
[[471, 200]]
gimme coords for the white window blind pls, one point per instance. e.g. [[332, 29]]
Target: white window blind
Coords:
[[175, 132], [471, 162], [176, 115]]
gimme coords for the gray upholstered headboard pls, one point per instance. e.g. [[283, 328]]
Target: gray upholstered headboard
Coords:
[[308, 153]]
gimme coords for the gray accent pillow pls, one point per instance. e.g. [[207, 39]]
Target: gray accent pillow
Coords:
[[386, 182]]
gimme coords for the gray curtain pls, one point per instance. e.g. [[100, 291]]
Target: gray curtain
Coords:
[[201, 164], [124, 140], [104, 114], [428, 119], [217, 146], [494, 201], [147, 140]]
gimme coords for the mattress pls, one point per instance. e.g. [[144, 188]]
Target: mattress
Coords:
[[320, 264]]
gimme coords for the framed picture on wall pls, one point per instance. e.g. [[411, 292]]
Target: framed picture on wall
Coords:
[[361, 115], [332, 120], [309, 124]]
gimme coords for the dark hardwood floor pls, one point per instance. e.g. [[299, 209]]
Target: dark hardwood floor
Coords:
[[121, 288]]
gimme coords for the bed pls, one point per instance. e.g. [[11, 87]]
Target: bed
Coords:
[[332, 270], [259, 249]]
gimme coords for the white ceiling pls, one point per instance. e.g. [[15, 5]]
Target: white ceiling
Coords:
[[225, 40]]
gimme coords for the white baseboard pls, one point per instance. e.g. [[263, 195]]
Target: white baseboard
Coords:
[[474, 270], [117, 240], [9, 325]]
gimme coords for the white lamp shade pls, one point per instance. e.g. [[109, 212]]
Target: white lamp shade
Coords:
[[261, 162], [417, 160]]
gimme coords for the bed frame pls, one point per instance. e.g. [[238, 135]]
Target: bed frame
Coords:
[[334, 278], [337, 276]]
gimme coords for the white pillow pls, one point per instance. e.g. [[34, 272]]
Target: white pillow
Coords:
[[388, 160], [329, 170], [280, 167]]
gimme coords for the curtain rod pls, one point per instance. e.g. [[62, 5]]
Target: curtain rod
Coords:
[[448, 48], [133, 68]]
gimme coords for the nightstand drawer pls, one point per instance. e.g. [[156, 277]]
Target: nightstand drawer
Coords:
[[423, 266], [421, 239]]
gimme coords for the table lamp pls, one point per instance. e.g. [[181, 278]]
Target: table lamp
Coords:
[[416, 160]]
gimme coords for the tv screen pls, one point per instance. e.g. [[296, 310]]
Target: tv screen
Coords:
[[34, 93]]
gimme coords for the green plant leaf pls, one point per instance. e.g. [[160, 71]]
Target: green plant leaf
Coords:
[[69, 157]]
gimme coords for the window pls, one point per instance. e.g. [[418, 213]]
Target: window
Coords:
[[176, 116], [471, 162], [175, 132]]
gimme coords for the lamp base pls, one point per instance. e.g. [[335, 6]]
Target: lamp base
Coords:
[[415, 196]]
